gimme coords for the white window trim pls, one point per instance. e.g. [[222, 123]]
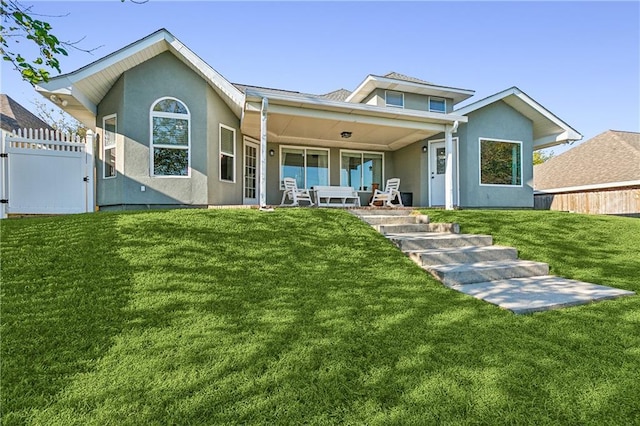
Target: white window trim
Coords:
[[386, 102], [305, 148], [152, 114], [111, 146], [232, 155], [355, 151], [438, 98], [480, 162]]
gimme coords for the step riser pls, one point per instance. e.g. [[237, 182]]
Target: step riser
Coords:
[[454, 278], [465, 256], [381, 212], [391, 220], [418, 227], [428, 243]]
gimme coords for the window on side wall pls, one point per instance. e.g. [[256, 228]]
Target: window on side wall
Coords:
[[437, 104], [360, 170], [308, 166], [394, 99], [170, 138], [500, 162], [110, 129], [227, 153]]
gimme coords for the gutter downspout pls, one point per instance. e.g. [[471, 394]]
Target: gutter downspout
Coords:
[[448, 177], [263, 154]]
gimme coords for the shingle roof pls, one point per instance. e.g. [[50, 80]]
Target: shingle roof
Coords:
[[612, 156], [398, 76], [243, 88], [14, 116], [337, 95]]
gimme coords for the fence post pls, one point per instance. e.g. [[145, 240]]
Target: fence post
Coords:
[[3, 175], [90, 171]]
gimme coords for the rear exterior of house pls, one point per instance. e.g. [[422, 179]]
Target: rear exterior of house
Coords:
[[172, 132]]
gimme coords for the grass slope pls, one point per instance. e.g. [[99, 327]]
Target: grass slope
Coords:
[[304, 316]]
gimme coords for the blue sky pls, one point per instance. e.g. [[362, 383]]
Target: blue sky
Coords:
[[581, 60]]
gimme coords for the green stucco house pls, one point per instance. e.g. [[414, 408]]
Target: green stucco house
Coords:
[[172, 132]]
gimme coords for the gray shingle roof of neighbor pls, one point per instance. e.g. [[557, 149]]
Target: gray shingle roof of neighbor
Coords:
[[14, 116], [337, 95], [398, 76], [611, 156]]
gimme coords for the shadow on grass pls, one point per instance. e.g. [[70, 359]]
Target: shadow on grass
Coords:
[[63, 290], [308, 316]]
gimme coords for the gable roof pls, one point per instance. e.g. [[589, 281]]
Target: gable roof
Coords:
[[404, 83], [609, 159], [548, 129], [14, 116], [84, 88]]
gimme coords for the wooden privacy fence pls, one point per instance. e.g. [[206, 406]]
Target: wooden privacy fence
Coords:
[[46, 172], [612, 201]]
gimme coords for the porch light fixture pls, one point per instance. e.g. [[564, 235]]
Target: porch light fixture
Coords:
[[272, 153], [345, 135], [424, 148]]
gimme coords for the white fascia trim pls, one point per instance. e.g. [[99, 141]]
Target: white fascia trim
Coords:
[[358, 89], [236, 96], [113, 58], [324, 105], [358, 95], [587, 187], [161, 36], [569, 133]]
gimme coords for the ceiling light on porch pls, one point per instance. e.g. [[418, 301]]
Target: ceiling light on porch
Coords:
[[345, 135]]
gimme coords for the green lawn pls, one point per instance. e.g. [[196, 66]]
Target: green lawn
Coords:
[[304, 316]]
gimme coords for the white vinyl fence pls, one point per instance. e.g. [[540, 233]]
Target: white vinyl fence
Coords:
[[45, 172]]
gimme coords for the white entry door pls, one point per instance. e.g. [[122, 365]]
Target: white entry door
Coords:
[[251, 172], [437, 167]]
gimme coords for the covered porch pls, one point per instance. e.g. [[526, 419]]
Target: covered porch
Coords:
[[324, 142]]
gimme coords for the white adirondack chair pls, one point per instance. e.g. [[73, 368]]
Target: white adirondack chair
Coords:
[[294, 194], [391, 190]]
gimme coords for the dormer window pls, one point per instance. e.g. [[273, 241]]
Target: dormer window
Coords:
[[394, 99], [437, 104]]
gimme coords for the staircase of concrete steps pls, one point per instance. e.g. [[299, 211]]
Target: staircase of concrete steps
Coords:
[[472, 265], [453, 258]]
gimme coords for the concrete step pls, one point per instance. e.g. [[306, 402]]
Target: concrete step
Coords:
[[438, 240], [418, 227], [469, 273], [540, 293], [384, 211], [394, 220], [462, 255]]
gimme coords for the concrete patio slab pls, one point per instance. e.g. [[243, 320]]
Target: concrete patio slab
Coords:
[[540, 293]]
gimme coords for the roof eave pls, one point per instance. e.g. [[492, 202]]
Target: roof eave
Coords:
[[372, 82], [65, 85], [567, 135], [372, 110]]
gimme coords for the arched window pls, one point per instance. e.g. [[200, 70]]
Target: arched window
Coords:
[[170, 138]]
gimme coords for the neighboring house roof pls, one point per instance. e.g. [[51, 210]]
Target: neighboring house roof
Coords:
[[611, 159], [548, 130], [84, 88], [14, 116]]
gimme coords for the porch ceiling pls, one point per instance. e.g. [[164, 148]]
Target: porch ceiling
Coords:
[[315, 124]]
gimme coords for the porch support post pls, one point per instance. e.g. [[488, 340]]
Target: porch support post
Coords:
[[448, 171], [263, 153]]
